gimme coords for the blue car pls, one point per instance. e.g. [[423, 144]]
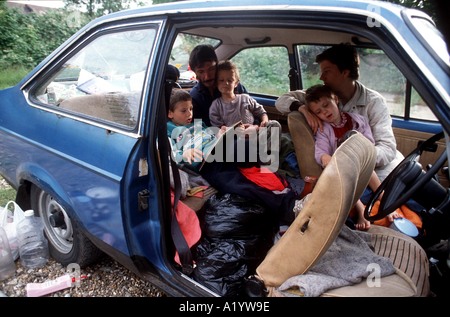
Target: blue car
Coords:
[[83, 137]]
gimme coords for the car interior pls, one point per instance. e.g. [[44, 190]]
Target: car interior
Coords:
[[304, 244]]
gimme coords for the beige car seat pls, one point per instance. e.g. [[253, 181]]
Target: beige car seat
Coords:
[[341, 183], [303, 140]]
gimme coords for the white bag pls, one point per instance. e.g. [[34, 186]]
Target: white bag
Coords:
[[9, 218]]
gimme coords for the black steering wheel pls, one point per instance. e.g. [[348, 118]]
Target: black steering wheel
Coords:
[[407, 177]]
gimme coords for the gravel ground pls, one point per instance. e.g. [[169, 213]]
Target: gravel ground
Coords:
[[104, 279], [107, 278]]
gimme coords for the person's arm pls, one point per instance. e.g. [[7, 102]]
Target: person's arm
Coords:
[[264, 120], [290, 101], [325, 159], [381, 125], [215, 116], [295, 101], [324, 144], [361, 124], [256, 109], [313, 121]]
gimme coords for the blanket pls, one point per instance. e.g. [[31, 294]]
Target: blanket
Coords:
[[348, 261]]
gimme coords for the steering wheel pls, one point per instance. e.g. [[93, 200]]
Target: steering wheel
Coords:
[[407, 174]]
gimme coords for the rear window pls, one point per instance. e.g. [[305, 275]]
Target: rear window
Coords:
[[376, 72], [103, 81]]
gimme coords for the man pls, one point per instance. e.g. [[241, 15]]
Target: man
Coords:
[[203, 62], [339, 67]]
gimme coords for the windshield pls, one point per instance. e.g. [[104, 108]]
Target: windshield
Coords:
[[432, 36]]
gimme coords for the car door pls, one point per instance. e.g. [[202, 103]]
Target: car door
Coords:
[[86, 138]]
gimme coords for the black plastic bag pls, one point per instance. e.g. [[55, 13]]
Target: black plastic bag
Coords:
[[237, 234], [232, 216]]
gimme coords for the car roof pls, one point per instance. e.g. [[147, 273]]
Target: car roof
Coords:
[[246, 23], [247, 33]]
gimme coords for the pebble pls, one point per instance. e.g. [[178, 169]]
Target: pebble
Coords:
[[107, 278]]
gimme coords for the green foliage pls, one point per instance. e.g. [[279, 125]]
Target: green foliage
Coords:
[[97, 8], [26, 39], [11, 75], [6, 195], [164, 1]]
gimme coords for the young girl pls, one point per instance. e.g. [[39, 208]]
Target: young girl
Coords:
[[322, 102], [230, 108]]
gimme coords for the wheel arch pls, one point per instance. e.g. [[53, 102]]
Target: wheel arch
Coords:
[[29, 175]]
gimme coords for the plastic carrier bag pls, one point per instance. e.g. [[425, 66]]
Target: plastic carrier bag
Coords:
[[10, 216]]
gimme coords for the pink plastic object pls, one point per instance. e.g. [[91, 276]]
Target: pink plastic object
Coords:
[[40, 289]]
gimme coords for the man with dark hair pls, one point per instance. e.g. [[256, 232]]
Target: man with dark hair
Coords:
[[344, 56], [339, 67], [203, 62]]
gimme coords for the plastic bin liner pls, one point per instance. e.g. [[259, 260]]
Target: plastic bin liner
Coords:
[[236, 237]]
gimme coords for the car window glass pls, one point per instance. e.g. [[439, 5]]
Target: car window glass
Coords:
[[264, 70], [433, 37], [181, 50], [104, 79], [377, 72]]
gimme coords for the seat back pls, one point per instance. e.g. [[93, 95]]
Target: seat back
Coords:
[[340, 185], [303, 140], [121, 108]]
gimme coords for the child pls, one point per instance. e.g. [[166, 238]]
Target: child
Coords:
[[190, 139], [230, 108], [322, 102]]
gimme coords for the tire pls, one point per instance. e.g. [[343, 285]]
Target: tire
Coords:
[[67, 244]]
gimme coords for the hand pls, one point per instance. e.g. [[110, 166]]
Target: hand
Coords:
[[192, 155], [313, 121], [222, 130], [325, 159], [244, 130]]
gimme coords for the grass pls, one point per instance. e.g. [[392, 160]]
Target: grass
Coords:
[[11, 76], [6, 194]]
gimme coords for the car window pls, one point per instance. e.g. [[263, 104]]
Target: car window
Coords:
[[104, 79], [263, 70], [179, 56], [377, 72], [432, 36]]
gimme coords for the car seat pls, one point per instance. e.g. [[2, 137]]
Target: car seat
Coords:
[[319, 222], [303, 140]]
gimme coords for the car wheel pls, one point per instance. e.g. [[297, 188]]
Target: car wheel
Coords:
[[67, 244]]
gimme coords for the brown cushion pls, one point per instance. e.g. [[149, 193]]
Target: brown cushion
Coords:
[[303, 140], [114, 107]]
